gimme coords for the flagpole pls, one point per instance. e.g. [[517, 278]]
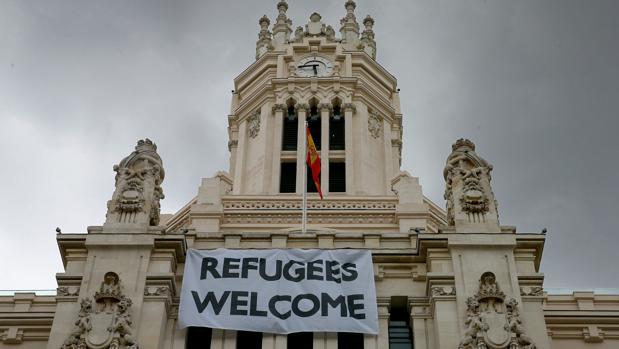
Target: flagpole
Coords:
[[304, 205]]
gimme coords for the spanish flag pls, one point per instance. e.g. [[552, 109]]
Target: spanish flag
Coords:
[[313, 160]]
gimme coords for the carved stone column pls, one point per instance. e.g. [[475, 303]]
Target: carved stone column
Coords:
[[302, 109], [325, 110], [349, 109]]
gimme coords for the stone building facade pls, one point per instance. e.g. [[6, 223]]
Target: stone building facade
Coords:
[[452, 278]]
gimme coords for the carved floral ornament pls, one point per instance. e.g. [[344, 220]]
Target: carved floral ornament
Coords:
[[106, 323], [492, 321]]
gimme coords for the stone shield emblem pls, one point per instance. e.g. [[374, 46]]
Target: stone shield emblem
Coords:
[[101, 334], [497, 336]]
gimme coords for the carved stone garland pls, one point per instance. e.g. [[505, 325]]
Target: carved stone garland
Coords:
[[492, 322], [106, 324]]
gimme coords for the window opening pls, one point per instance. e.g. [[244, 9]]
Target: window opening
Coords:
[[290, 130], [347, 340], [313, 122], [300, 340], [337, 130], [311, 186], [400, 334], [198, 338], [288, 177], [248, 340], [337, 177]]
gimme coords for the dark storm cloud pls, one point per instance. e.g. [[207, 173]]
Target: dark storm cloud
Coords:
[[535, 84]]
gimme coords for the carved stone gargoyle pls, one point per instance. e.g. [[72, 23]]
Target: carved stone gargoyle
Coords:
[[106, 324], [492, 322], [469, 196], [138, 187]]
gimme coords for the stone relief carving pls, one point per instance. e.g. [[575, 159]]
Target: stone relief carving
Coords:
[[232, 144], [156, 291], [375, 124], [253, 124], [443, 291], [107, 323], [299, 34], [467, 178], [491, 321], [67, 291], [531, 291], [315, 27], [349, 107], [138, 187]]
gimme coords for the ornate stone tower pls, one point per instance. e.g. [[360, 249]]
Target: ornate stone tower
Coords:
[[352, 107]]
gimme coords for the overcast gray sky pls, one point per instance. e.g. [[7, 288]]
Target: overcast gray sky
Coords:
[[534, 83]]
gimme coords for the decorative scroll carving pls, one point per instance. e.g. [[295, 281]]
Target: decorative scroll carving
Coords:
[[375, 124], [138, 187], [324, 106], [232, 144], [106, 324], [532, 291], [468, 190], [349, 107], [156, 291], [279, 107], [253, 124], [302, 106], [67, 291], [492, 322], [438, 291]]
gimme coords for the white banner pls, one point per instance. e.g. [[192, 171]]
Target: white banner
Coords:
[[279, 291]]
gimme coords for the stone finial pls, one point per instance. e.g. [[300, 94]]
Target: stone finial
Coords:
[[349, 27], [367, 42], [471, 205], [138, 188], [265, 40], [283, 25]]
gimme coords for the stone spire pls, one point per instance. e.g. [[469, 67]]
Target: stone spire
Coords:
[[471, 206], [265, 41], [349, 29], [283, 25], [368, 44], [135, 201]]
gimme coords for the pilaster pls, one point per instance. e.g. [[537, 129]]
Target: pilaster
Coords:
[[302, 109], [324, 150]]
